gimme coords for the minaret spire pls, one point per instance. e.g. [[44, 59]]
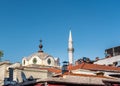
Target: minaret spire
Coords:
[[70, 36], [70, 48]]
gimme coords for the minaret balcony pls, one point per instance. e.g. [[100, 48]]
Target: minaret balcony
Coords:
[[71, 49]]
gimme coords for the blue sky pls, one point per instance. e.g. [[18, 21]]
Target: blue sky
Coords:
[[95, 26]]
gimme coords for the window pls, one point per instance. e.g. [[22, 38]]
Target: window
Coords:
[[34, 60], [49, 61], [24, 62]]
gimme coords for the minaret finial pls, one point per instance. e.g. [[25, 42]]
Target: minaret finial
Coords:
[[40, 46]]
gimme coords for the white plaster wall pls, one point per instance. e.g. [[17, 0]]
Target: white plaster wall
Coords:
[[39, 61], [36, 73], [108, 61], [26, 62], [14, 65], [3, 70], [82, 71], [52, 61]]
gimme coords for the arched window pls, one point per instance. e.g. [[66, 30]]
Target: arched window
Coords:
[[34, 60], [49, 61], [24, 62]]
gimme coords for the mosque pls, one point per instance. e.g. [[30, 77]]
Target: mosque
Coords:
[[41, 58], [42, 67], [38, 65]]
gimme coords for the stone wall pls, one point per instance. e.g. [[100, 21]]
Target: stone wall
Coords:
[[35, 73]]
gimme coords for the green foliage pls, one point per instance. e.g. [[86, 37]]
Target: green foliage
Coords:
[[1, 54]]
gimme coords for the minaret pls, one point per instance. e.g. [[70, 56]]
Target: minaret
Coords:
[[70, 49]]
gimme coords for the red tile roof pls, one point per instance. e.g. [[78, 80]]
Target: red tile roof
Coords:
[[94, 67], [55, 70]]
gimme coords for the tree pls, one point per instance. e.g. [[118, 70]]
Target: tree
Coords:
[[1, 55]]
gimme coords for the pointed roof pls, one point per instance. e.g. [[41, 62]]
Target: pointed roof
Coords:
[[70, 36]]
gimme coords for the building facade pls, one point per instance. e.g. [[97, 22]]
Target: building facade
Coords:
[[112, 57]]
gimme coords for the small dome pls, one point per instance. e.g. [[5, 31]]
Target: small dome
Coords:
[[39, 58], [41, 55]]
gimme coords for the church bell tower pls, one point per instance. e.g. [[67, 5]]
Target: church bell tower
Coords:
[[70, 49]]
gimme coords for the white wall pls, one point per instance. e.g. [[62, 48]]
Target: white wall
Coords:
[[108, 61], [52, 61], [36, 73]]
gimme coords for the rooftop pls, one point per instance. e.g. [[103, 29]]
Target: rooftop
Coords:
[[94, 67]]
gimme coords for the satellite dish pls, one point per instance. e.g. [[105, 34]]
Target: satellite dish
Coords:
[[23, 76]]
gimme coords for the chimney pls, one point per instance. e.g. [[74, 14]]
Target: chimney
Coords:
[[64, 67]]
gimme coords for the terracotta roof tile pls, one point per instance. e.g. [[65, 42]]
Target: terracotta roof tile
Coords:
[[94, 67], [52, 69], [55, 70]]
